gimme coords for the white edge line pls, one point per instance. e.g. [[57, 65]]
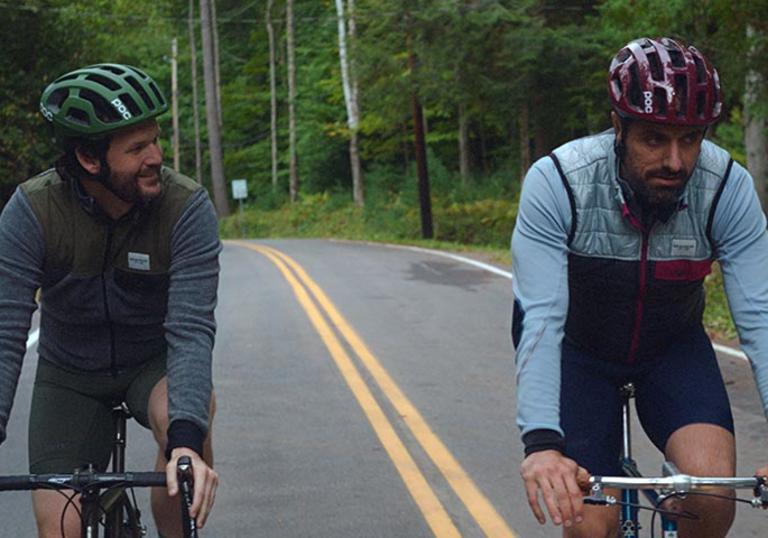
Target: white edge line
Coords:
[[469, 261], [731, 352], [726, 350], [32, 339]]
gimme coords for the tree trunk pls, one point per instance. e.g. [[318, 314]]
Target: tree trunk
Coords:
[[349, 98], [195, 111], [755, 139], [294, 169], [273, 94], [216, 61], [525, 141], [420, 147], [214, 135], [463, 144]]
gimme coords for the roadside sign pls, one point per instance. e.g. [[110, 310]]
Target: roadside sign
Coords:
[[239, 189]]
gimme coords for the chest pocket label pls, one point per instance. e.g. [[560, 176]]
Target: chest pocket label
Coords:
[[683, 247], [138, 261]]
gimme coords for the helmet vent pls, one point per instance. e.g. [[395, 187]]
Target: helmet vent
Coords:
[[131, 104], [700, 103], [104, 81], [56, 99], [144, 95], [681, 92], [660, 96], [75, 115], [104, 111], [635, 97], [701, 71], [65, 78], [157, 93], [656, 71], [676, 58], [112, 69]]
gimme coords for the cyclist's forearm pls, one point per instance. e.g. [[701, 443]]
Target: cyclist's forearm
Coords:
[[739, 232], [21, 254], [190, 325], [540, 285]]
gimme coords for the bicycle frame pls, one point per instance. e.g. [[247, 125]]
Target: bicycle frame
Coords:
[[109, 503], [629, 523], [657, 489]]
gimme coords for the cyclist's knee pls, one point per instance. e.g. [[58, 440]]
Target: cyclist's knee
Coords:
[[599, 522], [714, 516]]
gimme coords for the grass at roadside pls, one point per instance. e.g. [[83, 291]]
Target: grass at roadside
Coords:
[[480, 228]]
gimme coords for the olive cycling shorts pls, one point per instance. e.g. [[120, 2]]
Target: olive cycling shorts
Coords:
[[681, 386], [70, 422]]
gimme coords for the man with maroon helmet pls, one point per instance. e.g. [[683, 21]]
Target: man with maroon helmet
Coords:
[[614, 237]]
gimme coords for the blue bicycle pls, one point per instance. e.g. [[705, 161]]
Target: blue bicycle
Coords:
[[658, 489]]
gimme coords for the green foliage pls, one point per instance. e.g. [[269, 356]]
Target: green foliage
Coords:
[[717, 316]]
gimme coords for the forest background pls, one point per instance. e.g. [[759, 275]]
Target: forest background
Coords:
[[491, 84]]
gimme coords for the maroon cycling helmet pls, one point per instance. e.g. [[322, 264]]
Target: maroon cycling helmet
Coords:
[[662, 80]]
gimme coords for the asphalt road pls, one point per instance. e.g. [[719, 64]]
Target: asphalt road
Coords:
[[366, 391]]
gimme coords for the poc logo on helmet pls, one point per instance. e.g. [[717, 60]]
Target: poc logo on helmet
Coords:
[[124, 112], [648, 96], [47, 114]]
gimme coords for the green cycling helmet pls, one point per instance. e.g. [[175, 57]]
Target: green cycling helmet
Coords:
[[96, 100]]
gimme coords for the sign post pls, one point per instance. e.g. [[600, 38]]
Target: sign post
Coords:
[[240, 193]]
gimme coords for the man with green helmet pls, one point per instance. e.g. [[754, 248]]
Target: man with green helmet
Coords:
[[125, 254]]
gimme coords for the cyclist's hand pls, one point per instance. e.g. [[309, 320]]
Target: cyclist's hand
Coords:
[[557, 478], [205, 482]]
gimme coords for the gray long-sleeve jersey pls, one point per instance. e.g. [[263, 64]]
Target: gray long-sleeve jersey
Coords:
[[113, 294]]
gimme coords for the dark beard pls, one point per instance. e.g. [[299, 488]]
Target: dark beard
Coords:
[[126, 188], [655, 200]]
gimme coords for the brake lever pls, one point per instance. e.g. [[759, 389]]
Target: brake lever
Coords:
[[186, 484], [761, 493]]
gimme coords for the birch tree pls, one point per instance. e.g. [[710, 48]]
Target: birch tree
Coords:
[[349, 85]]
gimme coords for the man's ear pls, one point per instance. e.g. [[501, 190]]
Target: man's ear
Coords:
[[90, 163], [616, 121]]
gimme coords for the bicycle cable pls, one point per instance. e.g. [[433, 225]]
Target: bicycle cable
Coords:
[[70, 502], [687, 514]]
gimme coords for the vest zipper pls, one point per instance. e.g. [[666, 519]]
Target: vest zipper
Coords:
[[642, 284], [104, 267]]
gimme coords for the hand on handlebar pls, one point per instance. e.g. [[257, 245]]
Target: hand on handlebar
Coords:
[[206, 481], [561, 483]]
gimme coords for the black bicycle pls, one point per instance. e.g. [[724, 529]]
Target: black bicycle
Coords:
[[108, 504]]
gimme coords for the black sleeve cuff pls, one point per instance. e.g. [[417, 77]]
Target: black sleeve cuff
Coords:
[[184, 433], [538, 440]]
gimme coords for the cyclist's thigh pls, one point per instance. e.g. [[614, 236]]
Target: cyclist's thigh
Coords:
[[137, 396], [67, 429], [683, 386], [590, 411]]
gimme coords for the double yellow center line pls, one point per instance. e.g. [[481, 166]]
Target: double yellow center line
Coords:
[[465, 489]]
